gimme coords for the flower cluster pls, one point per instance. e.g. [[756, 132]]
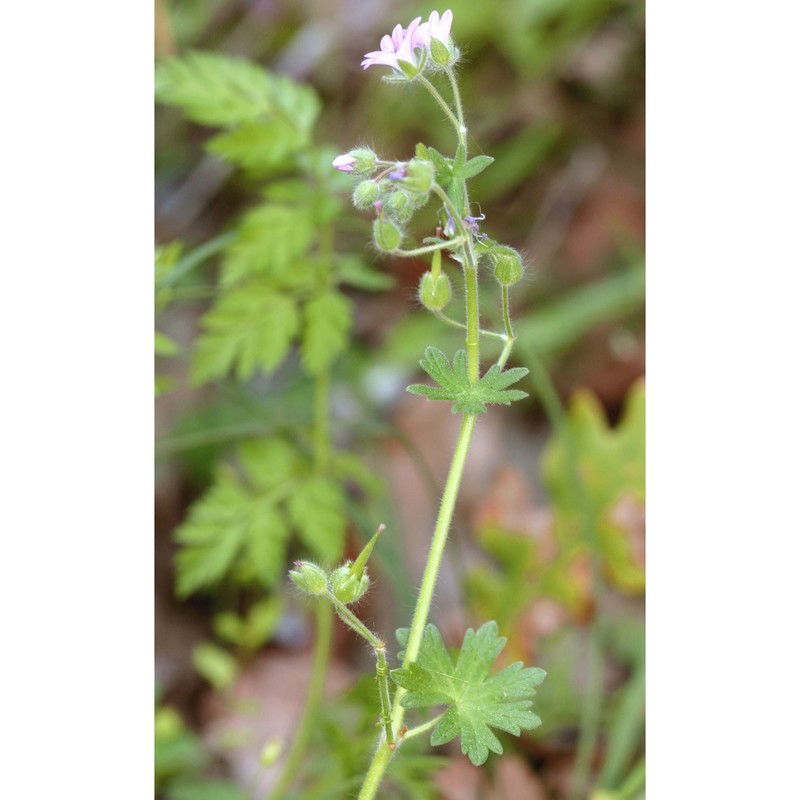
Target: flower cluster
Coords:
[[406, 51]]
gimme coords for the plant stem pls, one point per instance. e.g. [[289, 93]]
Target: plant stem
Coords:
[[382, 676], [459, 126], [353, 622], [322, 437], [471, 284], [450, 244], [420, 729], [316, 685], [462, 128], [456, 324], [383, 753]]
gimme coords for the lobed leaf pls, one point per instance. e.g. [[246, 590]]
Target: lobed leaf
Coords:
[[453, 383], [477, 700], [214, 89], [328, 318], [249, 327], [316, 508]]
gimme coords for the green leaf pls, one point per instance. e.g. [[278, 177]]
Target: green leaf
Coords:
[[328, 318], [476, 165], [249, 327], [211, 538], [231, 524], [354, 271], [611, 466], [453, 383], [206, 789], [214, 89], [271, 238], [258, 146], [444, 171], [476, 700], [164, 345], [269, 462], [317, 511], [216, 665]]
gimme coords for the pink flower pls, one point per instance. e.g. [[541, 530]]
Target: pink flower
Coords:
[[400, 46], [345, 162], [438, 27]]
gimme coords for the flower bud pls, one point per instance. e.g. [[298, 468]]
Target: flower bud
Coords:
[[399, 205], [443, 55], [346, 585], [386, 234], [309, 577], [507, 264], [419, 176], [435, 293], [365, 194], [362, 161]]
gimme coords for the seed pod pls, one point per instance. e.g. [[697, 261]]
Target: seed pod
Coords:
[[347, 586], [386, 234], [309, 577], [434, 292]]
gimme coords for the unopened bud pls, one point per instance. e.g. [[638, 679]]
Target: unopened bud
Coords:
[[364, 160], [346, 585], [309, 577], [386, 234], [365, 194], [507, 264], [443, 55], [419, 176], [399, 205], [434, 292]]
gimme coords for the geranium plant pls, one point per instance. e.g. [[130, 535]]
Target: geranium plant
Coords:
[[475, 700]]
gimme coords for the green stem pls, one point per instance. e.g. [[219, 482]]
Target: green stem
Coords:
[[296, 754], [420, 729], [353, 622], [456, 324], [382, 676], [473, 325], [459, 126], [450, 244], [462, 128], [322, 436], [471, 284], [383, 752]]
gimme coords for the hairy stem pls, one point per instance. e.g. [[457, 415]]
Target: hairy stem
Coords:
[[450, 244], [456, 324], [384, 752], [353, 622], [434, 92], [296, 754], [462, 128]]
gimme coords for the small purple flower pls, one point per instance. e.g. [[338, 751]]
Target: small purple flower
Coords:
[[471, 223], [400, 46], [345, 162], [399, 173]]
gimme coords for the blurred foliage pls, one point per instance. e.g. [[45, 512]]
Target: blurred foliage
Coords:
[[182, 762], [611, 472]]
